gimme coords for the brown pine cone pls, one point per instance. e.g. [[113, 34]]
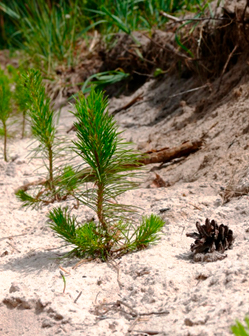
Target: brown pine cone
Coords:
[[211, 237]]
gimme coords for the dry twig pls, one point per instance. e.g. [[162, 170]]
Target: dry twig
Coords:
[[78, 296], [13, 246], [226, 64], [132, 102]]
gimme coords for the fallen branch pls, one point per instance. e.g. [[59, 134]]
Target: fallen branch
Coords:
[[132, 102], [168, 154]]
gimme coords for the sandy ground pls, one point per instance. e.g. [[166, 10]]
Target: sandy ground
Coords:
[[158, 291]]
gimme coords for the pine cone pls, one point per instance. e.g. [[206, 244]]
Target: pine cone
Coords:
[[211, 237]]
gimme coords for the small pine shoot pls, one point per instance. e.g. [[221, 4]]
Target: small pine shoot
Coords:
[[43, 121], [109, 168]]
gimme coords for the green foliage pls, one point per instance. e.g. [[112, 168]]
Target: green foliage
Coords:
[[41, 115], [108, 169], [158, 72], [132, 15], [43, 123], [47, 33], [5, 96], [239, 329], [185, 37], [86, 237], [67, 181], [101, 79], [26, 199], [147, 232], [108, 156]]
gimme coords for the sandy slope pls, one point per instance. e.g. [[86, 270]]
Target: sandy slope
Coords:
[[159, 291]]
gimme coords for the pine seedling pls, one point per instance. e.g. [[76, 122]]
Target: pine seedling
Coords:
[[109, 167], [43, 126], [5, 96]]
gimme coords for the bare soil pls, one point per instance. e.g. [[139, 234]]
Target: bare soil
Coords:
[[160, 290]]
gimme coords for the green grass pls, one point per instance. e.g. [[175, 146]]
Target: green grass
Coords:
[[48, 31]]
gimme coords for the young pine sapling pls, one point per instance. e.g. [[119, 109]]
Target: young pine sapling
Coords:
[[43, 126], [109, 167]]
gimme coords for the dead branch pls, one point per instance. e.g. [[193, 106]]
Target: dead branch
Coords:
[[132, 102], [168, 154]]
